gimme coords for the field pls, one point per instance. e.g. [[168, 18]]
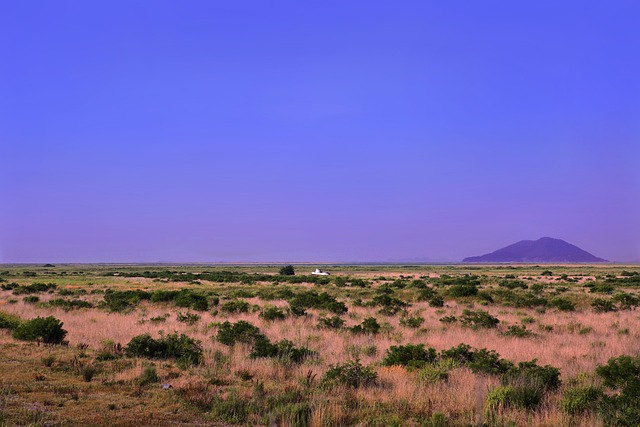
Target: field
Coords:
[[370, 345]]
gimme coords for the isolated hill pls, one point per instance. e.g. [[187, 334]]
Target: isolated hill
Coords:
[[545, 249]]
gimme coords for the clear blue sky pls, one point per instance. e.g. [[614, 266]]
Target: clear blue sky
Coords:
[[316, 131]]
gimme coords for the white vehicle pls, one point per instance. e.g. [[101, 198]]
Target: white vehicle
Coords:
[[319, 272]]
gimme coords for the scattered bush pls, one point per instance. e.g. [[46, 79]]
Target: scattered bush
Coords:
[[351, 374], [272, 313], [334, 322], [188, 318], [235, 306], [478, 319], [369, 326], [172, 346], [148, 376], [284, 351], [69, 304], [410, 355], [436, 302], [241, 331], [412, 321], [519, 331], [9, 321], [311, 299], [562, 304], [46, 329], [287, 270], [578, 400], [459, 291], [601, 305]]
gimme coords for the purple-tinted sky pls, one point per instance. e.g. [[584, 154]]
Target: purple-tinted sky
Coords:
[[316, 131]]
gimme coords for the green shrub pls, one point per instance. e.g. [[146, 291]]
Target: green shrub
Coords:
[[172, 346], [334, 322], [284, 351], [46, 329], [530, 373], [148, 376], [426, 294], [433, 374], [189, 299], [311, 299], [351, 374], [369, 326], [512, 284], [118, 301], [601, 305], [410, 355], [31, 299], [241, 331], [272, 313], [436, 302], [287, 270], [519, 331], [412, 321], [478, 319], [562, 304], [626, 301], [578, 400], [69, 304], [235, 306], [513, 396], [390, 305], [88, 372], [449, 319], [621, 375], [459, 291], [9, 321], [188, 318]]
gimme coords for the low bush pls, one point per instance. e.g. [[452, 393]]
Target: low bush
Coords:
[[334, 322], [578, 400], [621, 375], [46, 329], [189, 299], [478, 319], [562, 304], [410, 355], [369, 326], [519, 331], [241, 331], [272, 313], [389, 304], [311, 299], [188, 318], [285, 351], [9, 321], [351, 374], [68, 305], [287, 270], [148, 376], [412, 321], [459, 291], [436, 302], [172, 346], [601, 305], [235, 306]]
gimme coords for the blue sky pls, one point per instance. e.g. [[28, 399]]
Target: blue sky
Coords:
[[316, 131]]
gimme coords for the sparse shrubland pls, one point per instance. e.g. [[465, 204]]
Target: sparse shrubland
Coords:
[[368, 345]]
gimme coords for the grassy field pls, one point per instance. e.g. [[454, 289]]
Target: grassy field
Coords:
[[370, 345]]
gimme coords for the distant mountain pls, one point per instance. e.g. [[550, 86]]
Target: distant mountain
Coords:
[[545, 249]]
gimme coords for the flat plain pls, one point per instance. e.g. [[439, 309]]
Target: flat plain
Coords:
[[370, 345]]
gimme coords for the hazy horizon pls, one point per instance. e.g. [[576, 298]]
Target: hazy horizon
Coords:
[[332, 132]]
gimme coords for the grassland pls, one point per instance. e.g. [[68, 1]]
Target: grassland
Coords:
[[319, 351]]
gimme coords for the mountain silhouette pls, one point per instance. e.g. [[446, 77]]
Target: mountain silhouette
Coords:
[[545, 249]]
